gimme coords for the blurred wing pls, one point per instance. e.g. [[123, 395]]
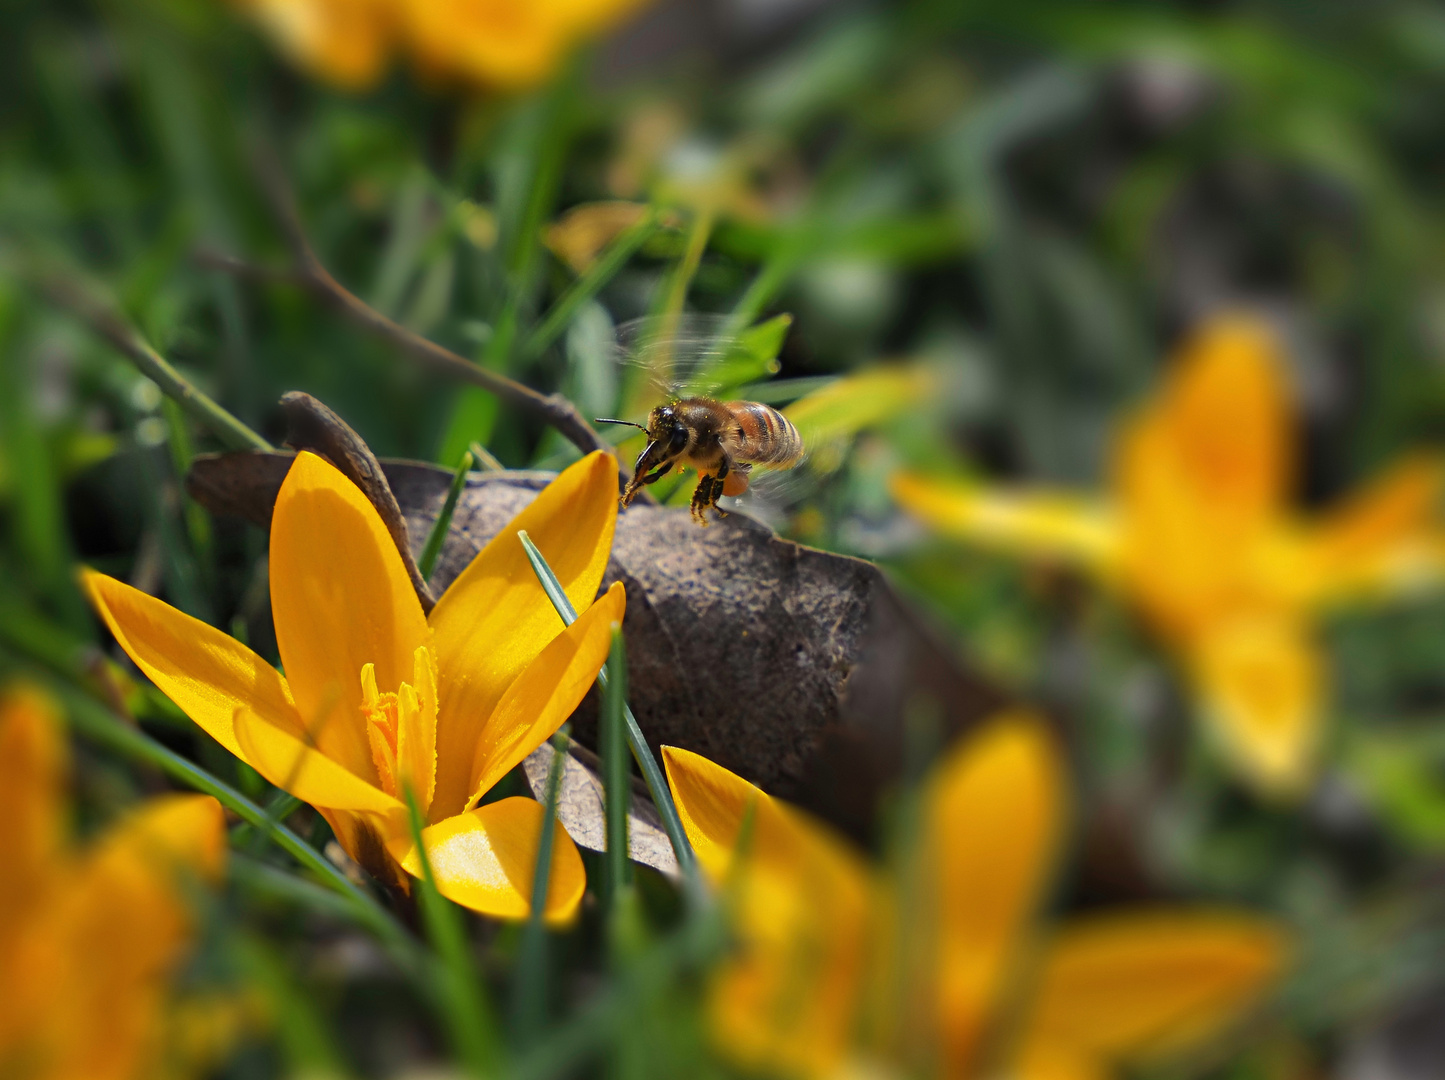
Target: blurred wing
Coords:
[[691, 354]]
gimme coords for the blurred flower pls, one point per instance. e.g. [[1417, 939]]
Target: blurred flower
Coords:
[[579, 235], [378, 698], [505, 43], [842, 971], [89, 938], [1197, 533]]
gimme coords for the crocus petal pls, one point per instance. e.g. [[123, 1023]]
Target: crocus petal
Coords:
[[33, 851], [713, 805], [495, 619], [207, 673], [341, 598], [1127, 985], [1052, 525], [994, 811], [122, 928], [343, 41], [546, 693], [485, 859], [33, 766], [1385, 539], [1260, 680], [1224, 417], [305, 772], [803, 901]]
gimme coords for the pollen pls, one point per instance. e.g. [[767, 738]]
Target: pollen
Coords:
[[401, 727]]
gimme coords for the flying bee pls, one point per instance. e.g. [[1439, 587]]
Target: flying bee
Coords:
[[722, 440]]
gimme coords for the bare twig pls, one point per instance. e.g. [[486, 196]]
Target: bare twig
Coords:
[[105, 321], [309, 272]]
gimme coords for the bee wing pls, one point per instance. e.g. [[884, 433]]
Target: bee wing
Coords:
[[774, 495], [684, 355]]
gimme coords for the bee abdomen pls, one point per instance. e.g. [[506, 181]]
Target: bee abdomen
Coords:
[[767, 436]]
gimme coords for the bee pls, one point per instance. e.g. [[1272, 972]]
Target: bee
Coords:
[[722, 440]]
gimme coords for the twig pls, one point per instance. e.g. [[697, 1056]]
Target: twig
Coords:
[[107, 323], [309, 272]]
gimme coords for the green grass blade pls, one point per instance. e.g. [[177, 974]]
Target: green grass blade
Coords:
[[651, 773], [616, 783], [462, 998], [305, 1042], [438, 535], [529, 1000]]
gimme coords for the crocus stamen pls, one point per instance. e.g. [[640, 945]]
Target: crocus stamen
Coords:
[[401, 728]]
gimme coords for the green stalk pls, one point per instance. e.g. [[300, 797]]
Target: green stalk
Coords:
[[468, 1014], [438, 535], [603, 270], [530, 996], [616, 784], [641, 752], [92, 719]]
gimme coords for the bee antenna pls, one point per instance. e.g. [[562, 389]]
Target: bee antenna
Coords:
[[610, 420]]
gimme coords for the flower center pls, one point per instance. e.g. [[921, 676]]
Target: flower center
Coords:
[[401, 726]]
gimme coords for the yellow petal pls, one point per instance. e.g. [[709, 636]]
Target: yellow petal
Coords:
[[170, 834], [1385, 539], [341, 599], [1126, 985], [33, 767], [1225, 414], [544, 695], [343, 41], [1261, 683], [122, 928], [205, 672], [994, 810], [713, 804], [485, 858], [495, 619], [33, 851], [307, 773], [803, 902], [1049, 525]]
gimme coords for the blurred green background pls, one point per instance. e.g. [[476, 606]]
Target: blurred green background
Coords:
[[1029, 202]]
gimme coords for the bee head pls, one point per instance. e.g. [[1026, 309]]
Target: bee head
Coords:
[[666, 428]]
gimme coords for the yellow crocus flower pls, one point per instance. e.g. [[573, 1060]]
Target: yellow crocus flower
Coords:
[[89, 937], [510, 44], [843, 971], [1198, 534], [379, 698]]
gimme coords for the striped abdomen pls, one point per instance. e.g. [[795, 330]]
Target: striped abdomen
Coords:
[[764, 436]]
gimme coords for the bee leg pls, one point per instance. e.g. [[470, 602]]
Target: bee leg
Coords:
[[718, 483], [654, 477], [702, 498]]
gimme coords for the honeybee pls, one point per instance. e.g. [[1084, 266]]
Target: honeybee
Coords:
[[722, 440]]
